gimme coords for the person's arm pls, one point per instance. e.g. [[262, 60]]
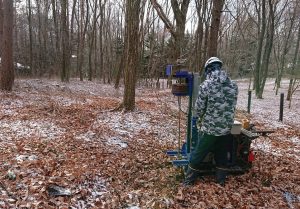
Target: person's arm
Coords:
[[201, 102]]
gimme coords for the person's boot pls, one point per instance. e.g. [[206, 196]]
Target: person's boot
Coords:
[[221, 176], [190, 177]]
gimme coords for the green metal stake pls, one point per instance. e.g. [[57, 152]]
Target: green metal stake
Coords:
[[281, 107], [249, 100]]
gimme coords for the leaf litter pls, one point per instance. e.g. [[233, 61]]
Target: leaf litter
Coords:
[[67, 135]]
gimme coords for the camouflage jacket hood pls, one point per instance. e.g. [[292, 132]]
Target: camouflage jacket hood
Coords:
[[216, 102]]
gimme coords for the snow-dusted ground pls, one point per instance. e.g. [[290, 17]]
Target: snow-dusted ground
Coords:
[[266, 110], [52, 132]]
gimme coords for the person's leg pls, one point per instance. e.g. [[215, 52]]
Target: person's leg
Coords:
[[204, 146], [222, 156]]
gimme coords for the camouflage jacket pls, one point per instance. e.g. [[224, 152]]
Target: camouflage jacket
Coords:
[[216, 102]]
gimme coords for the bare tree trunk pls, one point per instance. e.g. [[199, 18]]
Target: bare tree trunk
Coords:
[[262, 29], [72, 34], [294, 64], [83, 29], [54, 13], [1, 28], [267, 51], [104, 25], [206, 9], [119, 72], [40, 50], [57, 35], [119, 53], [7, 71], [199, 38], [92, 41], [131, 52], [180, 12], [30, 36], [215, 27], [101, 70], [65, 71], [286, 47]]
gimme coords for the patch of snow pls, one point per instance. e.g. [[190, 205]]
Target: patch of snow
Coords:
[[29, 128], [21, 158], [66, 101], [266, 110], [96, 187], [8, 112], [20, 66], [117, 141], [295, 140], [266, 146], [128, 125], [124, 124], [10, 107], [88, 136], [133, 207]]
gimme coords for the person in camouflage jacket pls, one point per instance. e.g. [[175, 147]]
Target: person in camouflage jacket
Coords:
[[215, 108]]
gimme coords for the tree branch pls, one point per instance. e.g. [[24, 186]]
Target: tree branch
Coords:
[[163, 17]]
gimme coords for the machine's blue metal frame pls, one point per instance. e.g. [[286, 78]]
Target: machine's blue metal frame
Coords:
[[192, 132], [240, 159]]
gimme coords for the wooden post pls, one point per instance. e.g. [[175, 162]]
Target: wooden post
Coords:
[[249, 100], [281, 107]]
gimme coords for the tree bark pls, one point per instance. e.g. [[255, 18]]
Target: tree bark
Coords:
[[294, 63], [91, 71], [101, 60], [7, 70], [30, 36], [178, 32], [215, 27], [65, 71], [286, 47], [262, 30], [1, 28], [72, 33], [131, 52], [54, 13], [40, 50], [267, 51], [83, 30]]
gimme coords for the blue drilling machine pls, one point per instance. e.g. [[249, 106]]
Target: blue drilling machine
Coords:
[[241, 155]]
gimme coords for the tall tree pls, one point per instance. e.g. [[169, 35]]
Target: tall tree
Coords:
[[7, 69], [65, 71], [83, 24], [30, 35], [55, 20], [267, 49], [1, 27], [199, 55], [266, 28], [92, 35], [295, 61], [180, 9], [215, 27], [131, 52], [285, 49]]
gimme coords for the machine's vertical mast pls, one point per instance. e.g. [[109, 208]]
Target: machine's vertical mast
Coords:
[[191, 122]]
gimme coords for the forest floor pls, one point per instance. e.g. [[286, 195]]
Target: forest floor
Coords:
[[66, 135]]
